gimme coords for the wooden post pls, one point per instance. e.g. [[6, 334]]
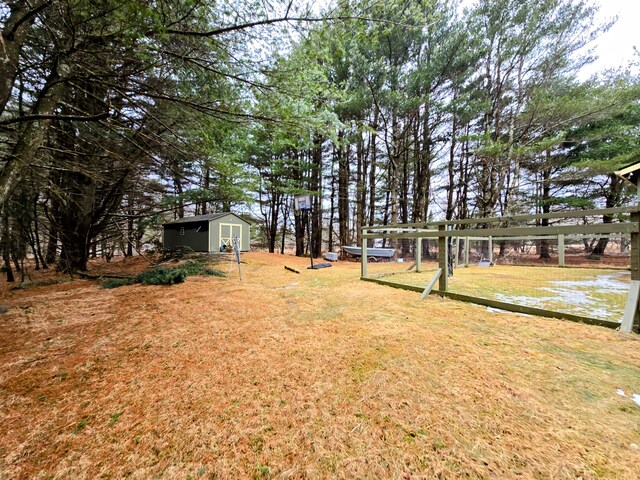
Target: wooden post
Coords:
[[490, 250], [363, 259], [561, 250], [432, 282], [631, 308], [635, 259], [442, 259], [466, 251], [418, 255], [456, 257]]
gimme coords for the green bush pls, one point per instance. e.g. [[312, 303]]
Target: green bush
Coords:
[[165, 276], [191, 267], [161, 276], [211, 272], [117, 282]]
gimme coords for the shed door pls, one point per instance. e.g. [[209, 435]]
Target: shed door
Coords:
[[227, 232]]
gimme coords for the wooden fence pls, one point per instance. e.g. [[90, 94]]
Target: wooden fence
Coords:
[[516, 227]]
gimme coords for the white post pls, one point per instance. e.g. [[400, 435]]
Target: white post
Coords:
[[466, 251], [561, 250], [363, 259], [457, 255], [418, 254], [490, 250]]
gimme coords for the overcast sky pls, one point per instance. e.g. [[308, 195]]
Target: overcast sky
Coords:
[[615, 48]]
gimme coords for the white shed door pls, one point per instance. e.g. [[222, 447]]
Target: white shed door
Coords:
[[227, 232]]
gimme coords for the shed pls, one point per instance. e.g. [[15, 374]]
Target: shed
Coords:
[[206, 233], [630, 173]]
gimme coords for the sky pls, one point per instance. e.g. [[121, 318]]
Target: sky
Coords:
[[615, 47]]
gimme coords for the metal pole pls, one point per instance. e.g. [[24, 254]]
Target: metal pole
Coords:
[[309, 237]]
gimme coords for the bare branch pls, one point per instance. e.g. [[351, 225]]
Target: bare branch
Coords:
[[272, 21], [67, 118]]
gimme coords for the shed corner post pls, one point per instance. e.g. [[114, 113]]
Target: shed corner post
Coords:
[[443, 258], [635, 258], [363, 256]]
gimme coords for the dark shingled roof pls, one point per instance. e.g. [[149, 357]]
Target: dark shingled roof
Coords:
[[202, 218]]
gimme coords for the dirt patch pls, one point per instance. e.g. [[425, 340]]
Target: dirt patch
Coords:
[[304, 376]]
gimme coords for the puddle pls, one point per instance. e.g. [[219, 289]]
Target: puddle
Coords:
[[577, 295]]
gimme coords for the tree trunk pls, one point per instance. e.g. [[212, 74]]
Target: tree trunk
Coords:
[[372, 175], [33, 134], [6, 245], [130, 233], [300, 221], [360, 187], [74, 254], [612, 200], [343, 192], [545, 253], [15, 32], [52, 244], [285, 216], [316, 186], [332, 202]]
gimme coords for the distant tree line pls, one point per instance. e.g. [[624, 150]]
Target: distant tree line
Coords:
[[117, 114]]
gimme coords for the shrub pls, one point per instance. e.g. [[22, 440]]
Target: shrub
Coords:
[[161, 276], [213, 272], [165, 276], [191, 267], [175, 254], [117, 282]]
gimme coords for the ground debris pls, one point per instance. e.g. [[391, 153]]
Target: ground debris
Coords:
[[333, 378]]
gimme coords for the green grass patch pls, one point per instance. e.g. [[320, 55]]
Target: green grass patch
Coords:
[[580, 291]]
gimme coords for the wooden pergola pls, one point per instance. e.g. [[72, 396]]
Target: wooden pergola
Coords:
[[443, 230]]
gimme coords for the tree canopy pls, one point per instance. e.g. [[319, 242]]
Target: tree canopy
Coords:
[[117, 115]]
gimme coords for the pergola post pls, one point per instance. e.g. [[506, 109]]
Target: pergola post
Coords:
[[490, 250], [363, 259], [443, 259], [456, 257], [635, 259], [466, 251]]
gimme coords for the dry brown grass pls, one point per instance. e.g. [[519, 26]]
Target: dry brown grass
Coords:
[[304, 376]]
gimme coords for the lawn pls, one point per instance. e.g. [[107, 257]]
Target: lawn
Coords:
[[316, 375], [592, 292]]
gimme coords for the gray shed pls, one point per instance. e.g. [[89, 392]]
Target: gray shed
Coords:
[[206, 233]]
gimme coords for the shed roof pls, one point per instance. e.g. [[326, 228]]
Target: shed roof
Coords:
[[203, 218], [630, 172]]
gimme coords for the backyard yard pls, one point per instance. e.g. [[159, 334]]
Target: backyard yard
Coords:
[[592, 292], [311, 375]]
